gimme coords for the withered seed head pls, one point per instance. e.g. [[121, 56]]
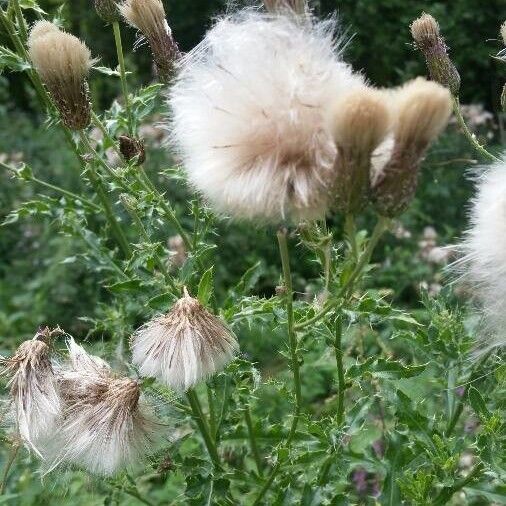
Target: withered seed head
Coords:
[[107, 10], [63, 63], [425, 32], [132, 148], [148, 16], [183, 347], [297, 6]]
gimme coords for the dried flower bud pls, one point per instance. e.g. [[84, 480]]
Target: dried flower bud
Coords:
[[297, 6], [183, 347], [361, 122], [423, 110], [106, 425], [148, 16], [503, 32], [132, 148], [425, 32], [107, 10], [33, 390], [63, 63]]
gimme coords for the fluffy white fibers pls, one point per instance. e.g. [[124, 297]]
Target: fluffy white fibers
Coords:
[[251, 108], [484, 261]]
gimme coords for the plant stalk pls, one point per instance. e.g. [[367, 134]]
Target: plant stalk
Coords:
[[253, 441], [340, 370]]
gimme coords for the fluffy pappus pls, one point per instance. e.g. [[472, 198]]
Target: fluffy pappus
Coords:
[[483, 255], [251, 113], [183, 347], [36, 406], [106, 426]]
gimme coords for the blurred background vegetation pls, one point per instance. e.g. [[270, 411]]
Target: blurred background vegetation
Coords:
[[41, 278]]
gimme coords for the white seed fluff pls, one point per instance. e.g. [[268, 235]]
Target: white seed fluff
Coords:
[[106, 425], [183, 347], [251, 107], [484, 260]]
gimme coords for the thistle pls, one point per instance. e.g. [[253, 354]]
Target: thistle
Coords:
[[361, 122], [107, 10], [106, 424], [183, 347], [148, 16], [132, 149], [297, 6], [63, 63], [503, 32], [33, 391], [423, 109], [425, 32], [258, 142]]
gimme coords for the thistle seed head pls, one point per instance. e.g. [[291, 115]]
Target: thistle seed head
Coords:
[[425, 32], [132, 148], [422, 110], [297, 6], [63, 63], [361, 123], [35, 402], [148, 16], [106, 423], [183, 347], [503, 32]]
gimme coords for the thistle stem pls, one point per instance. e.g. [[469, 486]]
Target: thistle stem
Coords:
[[123, 77], [12, 457], [293, 344], [446, 494], [199, 418], [102, 195], [363, 261], [468, 134], [105, 133], [252, 440], [212, 411], [23, 30], [340, 370]]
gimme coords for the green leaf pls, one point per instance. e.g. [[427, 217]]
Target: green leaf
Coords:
[[132, 285], [107, 71], [31, 4], [162, 301], [9, 60], [478, 403], [205, 287], [382, 368]]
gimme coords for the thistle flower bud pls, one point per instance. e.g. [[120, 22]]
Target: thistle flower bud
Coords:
[[423, 110], [183, 347], [63, 63], [361, 123], [132, 148], [425, 32], [107, 10], [106, 425], [503, 32], [35, 402], [148, 16], [297, 6]]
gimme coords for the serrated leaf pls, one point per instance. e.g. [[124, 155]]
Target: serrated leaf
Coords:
[[162, 301], [132, 285], [9, 60], [205, 287], [478, 403]]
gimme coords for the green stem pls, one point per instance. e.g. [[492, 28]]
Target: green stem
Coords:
[[292, 340], [340, 370], [473, 376], [122, 70], [23, 30], [447, 493], [351, 231], [252, 440], [12, 457], [105, 133], [468, 134], [364, 260], [102, 195], [199, 418], [212, 411]]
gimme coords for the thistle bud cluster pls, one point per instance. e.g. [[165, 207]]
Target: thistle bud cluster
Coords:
[[427, 37], [148, 16], [63, 63]]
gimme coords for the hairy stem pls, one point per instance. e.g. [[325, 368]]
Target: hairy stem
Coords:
[[198, 416], [252, 440], [295, 366], [468, 134], [362, 263], [122, 71], [23, 30], [340, 370]]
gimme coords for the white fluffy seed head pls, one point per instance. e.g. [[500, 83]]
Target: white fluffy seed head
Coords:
[[106, 424], [251, 115], [183, 347], [36, 406], [483, 262]]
